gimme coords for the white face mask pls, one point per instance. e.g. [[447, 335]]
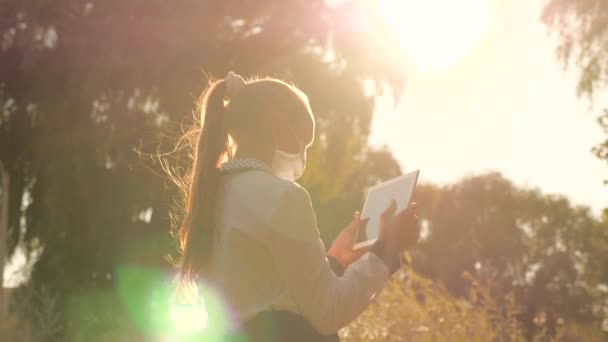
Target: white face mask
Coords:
[[289, 166]]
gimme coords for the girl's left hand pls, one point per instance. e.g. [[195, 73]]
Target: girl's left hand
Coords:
[[342, 247]]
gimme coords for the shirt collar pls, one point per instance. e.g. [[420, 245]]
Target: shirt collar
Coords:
[[243, 164]]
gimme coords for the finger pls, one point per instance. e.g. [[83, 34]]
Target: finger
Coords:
[[355, 223], [415, 236], [417, 226], [406, 214], [413, 207], [359, 252], [390, 211], [362, 233], [411, 210], [413, 230]]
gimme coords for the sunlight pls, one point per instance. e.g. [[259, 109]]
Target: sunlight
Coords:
[[435, 34]]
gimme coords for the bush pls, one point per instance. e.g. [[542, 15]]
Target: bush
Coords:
[[413, 308], [32, 316]]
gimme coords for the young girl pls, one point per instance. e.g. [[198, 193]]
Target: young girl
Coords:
[[249, 231]]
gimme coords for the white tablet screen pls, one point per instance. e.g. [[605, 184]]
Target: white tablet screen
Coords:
[[378, 199]]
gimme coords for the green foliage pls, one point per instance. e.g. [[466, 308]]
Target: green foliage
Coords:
[[549, 254], [32, 316], [581, 29], [413, 308], [582, 33]]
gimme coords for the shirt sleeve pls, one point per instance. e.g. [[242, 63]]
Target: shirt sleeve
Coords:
[[327, 301]]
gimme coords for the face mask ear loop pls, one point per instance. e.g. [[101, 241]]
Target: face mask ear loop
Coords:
[[301, 150]]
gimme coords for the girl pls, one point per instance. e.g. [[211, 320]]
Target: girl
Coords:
[[249, 231]]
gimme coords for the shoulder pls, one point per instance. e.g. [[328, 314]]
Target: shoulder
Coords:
[[293, 199], [294, 217], [266, 194], [265, 185], [285, 206]]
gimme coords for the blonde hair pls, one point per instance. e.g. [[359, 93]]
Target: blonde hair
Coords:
[[225, 122]]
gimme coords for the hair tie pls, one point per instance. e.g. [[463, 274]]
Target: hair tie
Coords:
[[234, 83]]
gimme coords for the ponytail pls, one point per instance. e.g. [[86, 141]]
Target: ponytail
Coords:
[[197, 232], [222, 123]]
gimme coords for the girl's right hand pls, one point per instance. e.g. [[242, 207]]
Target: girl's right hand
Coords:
[[399, 230]]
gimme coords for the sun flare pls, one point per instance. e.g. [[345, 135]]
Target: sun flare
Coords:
[[435, 34]]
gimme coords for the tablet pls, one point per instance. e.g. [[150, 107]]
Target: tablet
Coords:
[[378, 198]]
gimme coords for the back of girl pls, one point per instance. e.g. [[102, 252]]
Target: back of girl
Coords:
[[249, 233]]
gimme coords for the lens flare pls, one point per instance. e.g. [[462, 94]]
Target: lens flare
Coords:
[[149, 297], [188, 319]]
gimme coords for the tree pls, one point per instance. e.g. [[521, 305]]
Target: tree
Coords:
[[582, 32], [550, 254], [84, 82], [4, 179]]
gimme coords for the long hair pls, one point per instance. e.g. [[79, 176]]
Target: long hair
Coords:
[[224, 124], [201, 202]]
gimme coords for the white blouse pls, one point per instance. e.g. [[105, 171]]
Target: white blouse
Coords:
[[269, 256]]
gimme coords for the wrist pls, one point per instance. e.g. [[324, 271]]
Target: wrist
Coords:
[[337, 259], [389, 256], [335, 265]]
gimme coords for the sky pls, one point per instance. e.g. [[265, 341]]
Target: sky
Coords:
[[506, 105]]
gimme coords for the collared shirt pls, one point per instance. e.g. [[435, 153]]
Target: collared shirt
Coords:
[[269, 254]]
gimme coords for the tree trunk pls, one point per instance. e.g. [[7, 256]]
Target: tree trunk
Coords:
[[4, 187]]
